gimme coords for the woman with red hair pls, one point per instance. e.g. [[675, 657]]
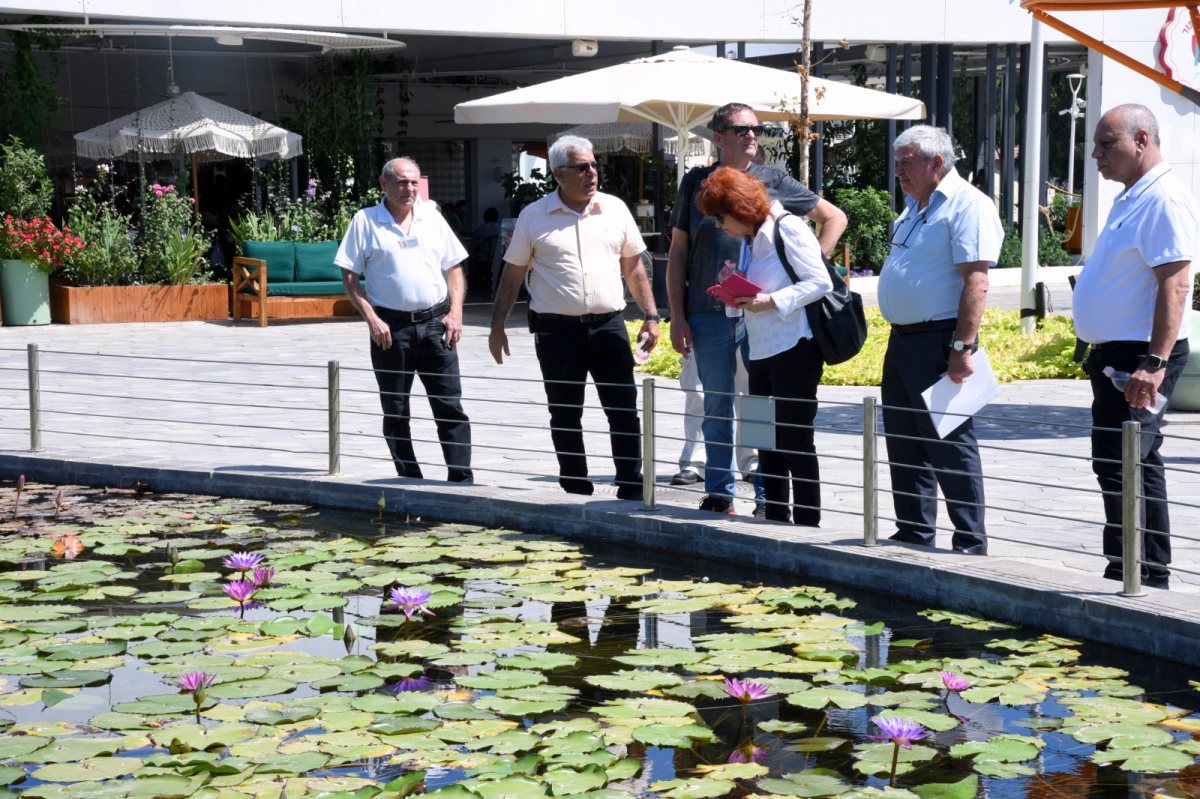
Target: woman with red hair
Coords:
[[784, 360]]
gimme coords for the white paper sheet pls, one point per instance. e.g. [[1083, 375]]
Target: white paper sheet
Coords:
[[950, 403]]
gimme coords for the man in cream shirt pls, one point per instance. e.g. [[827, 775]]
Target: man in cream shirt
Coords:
[[575, 244]]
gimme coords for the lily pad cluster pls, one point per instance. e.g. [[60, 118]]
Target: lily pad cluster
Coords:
[[468, 663]]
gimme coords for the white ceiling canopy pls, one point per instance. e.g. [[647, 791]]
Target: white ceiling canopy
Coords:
[[230, 35]]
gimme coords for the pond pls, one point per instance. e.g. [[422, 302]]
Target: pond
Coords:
[[172, 646]]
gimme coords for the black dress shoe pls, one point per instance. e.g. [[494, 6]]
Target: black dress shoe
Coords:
[[685, 477], [577, 485], [909, 537], [977, 549], [630, 492]]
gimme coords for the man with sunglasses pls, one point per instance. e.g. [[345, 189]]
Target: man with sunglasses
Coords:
[[575, 245], [700, 325], [932, 290]]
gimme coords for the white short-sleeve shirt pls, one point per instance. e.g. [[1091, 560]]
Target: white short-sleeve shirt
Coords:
[[1152, 223], [575, 258], [403, 273], [920, 280]]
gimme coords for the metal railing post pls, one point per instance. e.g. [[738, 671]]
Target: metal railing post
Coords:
[[648, 443], [1131, 484], [35, 400], [870, 475], [335, 450]]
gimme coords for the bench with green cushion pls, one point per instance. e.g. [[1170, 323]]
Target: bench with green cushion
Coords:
[[285, 269]]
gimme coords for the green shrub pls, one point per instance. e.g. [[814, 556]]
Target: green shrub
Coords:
[[869, 214], [171, 242], [1045, 355], [109, 257], [25, 187], [1050, 248]]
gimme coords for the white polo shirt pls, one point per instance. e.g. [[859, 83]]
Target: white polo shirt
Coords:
[[920, 280], [575, 258], [1152, 223], [403, 273]]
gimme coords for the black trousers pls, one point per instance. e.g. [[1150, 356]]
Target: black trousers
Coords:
[[919, 459], [420, 348], [791, 377], [1109, 412], [568, 351]]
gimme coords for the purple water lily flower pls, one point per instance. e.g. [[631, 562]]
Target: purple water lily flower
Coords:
[[745, 690], [954, 682], [240, 592], [901, 732], [411, 684], [243, 561], [262, 576], [195, 681], [410, 600], [747, 753]]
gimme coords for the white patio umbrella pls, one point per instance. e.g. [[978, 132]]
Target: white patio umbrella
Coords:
[[681, 89], [191, 124]]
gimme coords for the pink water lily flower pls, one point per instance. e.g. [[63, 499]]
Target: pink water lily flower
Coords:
[[745, 690], [411, 684], [239, 590], [243, 561], [195, 681], [954, 682], [262, 576], [410, 600], [747, 753], [901, 732]]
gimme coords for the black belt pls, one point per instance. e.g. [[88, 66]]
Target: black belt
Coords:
[[1144, 346], [925, 327], [413, 317], [586, 318]]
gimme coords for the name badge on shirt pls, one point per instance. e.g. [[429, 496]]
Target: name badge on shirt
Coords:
[[408, 242]]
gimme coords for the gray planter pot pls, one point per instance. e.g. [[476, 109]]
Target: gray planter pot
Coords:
[[1186, 396]]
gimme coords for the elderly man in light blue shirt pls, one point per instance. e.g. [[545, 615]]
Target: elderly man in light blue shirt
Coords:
[[932, 290]]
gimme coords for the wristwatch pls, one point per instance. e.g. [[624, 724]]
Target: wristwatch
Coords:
[[1153, 363], [653, 317], [958, 345]]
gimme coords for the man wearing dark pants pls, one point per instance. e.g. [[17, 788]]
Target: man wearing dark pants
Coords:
[[402, 270], [575, 244], [1130, 305], [932, 290]]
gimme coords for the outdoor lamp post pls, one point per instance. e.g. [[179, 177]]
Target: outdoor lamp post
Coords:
[[1075, 80]]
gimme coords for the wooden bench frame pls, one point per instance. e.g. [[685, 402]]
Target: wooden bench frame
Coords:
[[252, 273]]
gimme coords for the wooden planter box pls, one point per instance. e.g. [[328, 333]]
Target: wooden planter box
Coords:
[[200, 302]]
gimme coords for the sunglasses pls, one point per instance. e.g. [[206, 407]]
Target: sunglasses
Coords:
[[742, 130], [584, 167], [916, 222]]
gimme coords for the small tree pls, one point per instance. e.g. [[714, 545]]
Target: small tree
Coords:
[[25, 187]]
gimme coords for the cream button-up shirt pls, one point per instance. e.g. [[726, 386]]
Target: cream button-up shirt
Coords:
[[574, 259]]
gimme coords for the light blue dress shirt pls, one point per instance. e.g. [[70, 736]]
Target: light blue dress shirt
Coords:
[[921, 281]]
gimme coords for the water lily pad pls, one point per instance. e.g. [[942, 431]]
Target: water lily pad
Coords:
[[1005, 748], [520, 707], [696, 788], [15, 747], [817, 744], [542, 661], [805, 785], [65, 679], [515, 787], [100, 768], [247, 689], [1123, 735], [1151, 759], [501, 679], [630, 680], [817, 698], [162, 705], [938, 722], [876, 759], [569, 782], [682, 736], [966, 788], [84, 651]]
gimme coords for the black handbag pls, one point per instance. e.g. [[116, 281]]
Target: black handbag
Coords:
[[838, 323]]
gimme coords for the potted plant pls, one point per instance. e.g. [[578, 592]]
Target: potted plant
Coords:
[[31, 246]]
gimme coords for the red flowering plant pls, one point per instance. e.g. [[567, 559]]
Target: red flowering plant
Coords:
[[38, 241]]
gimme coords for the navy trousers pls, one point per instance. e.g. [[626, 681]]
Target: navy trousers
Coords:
[[1109, 412], [419, 348], [919, 459]]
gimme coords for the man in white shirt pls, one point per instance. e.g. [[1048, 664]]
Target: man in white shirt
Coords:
[[402, 270], [932, 290], [1131, 305], [576, 244]]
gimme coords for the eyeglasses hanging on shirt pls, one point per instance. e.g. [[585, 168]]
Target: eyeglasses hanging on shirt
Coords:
[[915, 221]]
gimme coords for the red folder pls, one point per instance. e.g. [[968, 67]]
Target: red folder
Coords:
[[732, 287]]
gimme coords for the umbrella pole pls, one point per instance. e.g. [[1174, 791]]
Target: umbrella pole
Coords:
[[195, 188]]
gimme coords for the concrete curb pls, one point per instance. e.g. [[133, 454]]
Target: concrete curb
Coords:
[[1161, 624]]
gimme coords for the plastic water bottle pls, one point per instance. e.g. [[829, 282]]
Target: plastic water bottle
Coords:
[[1120, 379], [642, 354]]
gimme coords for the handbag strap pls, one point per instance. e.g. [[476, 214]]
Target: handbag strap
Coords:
[[782, 252]]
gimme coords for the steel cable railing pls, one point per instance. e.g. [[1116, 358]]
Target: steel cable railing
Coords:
[[268, 409]]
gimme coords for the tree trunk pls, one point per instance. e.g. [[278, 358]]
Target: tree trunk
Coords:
[[803, 123]]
